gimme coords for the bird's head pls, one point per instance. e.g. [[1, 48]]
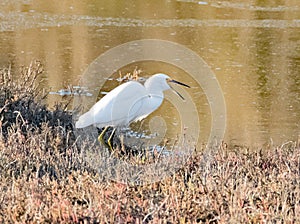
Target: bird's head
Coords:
[[160, 82]]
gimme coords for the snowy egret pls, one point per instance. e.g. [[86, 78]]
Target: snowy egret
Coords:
[[128, 102]]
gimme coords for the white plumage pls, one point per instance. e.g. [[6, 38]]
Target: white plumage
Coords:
[[128, 102]]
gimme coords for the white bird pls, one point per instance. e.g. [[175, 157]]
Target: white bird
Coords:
[[128, 102]]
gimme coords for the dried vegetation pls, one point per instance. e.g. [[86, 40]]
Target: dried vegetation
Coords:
[[43, 177]]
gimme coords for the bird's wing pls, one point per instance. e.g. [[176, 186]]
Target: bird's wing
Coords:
[[119, 107]]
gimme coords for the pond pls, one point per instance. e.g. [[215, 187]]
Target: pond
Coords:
[[252, 48]]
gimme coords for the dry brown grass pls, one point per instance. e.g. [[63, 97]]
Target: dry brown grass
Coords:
[[44, 178]]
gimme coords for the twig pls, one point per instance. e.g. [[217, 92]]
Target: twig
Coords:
[[155, 210]]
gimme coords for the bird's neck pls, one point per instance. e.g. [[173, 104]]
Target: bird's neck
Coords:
[[155, 100], [154, 89]]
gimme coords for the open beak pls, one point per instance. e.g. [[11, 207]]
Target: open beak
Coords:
[[179, 83]]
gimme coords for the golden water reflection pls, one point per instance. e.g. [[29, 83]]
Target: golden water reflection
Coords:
[[252, 47]]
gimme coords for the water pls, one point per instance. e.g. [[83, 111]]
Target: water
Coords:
[[253, 48]]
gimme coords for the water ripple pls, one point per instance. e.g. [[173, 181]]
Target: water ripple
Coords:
[[14, 21], [242, 6]]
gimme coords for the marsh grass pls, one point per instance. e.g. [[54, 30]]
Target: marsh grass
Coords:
[[44, 178]]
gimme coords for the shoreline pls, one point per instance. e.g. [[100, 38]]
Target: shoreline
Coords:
[[45, 179]]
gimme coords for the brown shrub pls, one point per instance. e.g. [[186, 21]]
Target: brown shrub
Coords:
[[44, 178]]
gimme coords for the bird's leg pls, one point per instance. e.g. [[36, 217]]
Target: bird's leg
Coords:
[[110, 138], [100, 138]]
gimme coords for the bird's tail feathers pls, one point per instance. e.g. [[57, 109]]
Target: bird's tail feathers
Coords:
[[84, 120]]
